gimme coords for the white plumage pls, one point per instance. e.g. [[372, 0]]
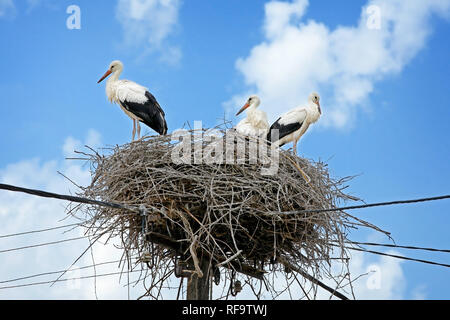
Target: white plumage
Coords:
[[122, 90], [255, 124], [135, 100], [293, 124]]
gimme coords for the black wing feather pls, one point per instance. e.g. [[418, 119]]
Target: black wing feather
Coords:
[[150, 112], [283, 129]]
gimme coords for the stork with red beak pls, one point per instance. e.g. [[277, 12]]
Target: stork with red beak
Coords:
[[135, 100], [255, 124], [293, 124]]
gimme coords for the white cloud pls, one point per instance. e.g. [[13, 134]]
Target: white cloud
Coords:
[[21, 212], [7, 8], [384, 280], [149, 23], [373, 277], [419, 293], [70, 145], [279, 15], [343, 64]]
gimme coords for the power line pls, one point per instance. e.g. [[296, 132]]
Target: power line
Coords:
[[45, 194], [66, 279], [398, 246], [313, 279], [40, 230], [115, 205], [56, 272], [368, 205], [50, 229], [400, 257], [42, 244]]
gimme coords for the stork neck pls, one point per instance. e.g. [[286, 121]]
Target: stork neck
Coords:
[[111, 85], [315, 113], [114, 76], [252, 107]]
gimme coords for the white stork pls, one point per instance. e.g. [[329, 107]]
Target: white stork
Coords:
[[293, 124], [135, 100], [255, 124]]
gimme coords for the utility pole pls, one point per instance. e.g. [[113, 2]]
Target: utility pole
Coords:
[[198, 288]]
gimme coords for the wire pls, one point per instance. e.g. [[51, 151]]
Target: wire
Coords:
[[398, 246], [314, 280], [43, 244], [115, 205], [40, 230], [55, 272], [401, 257], [66, 279], [368, 205], [45, 194]]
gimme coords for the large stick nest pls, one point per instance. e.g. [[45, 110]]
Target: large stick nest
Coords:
[[230, 213]]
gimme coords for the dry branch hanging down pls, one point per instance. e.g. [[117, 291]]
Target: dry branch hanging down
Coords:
[[222, 212]]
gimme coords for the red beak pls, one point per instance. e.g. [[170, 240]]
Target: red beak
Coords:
[[107, 73], [243, 108]]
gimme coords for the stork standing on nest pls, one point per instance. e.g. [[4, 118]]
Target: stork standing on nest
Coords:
[[255, 124], [135, 100], [293, 124]]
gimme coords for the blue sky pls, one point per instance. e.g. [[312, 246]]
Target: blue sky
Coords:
[[384, 95]]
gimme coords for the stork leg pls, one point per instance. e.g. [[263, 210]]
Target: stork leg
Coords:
[[138, 129], [134, 129], [295, 144]]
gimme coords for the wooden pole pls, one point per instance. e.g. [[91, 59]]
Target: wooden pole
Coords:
[[198, 288]]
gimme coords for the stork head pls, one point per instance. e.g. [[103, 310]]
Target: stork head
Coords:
[[315, 98], [253, 100], [114, 67]]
